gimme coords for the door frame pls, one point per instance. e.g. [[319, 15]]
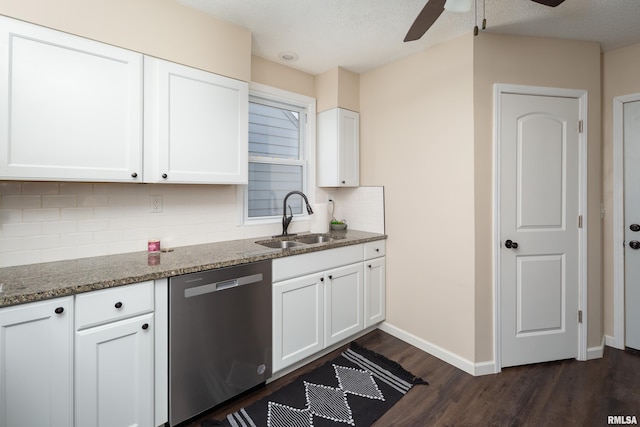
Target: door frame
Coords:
[[618, 219], [581, 95]]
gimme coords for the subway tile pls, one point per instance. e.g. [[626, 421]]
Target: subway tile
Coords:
[[21, 202], [21, 258], [40, 215], [93, 225], [108, 236], [10, 244], [8, 216], [59, 227], [41, 242], [93, 200], [60, 254], [76, 188], [76, 239], [22, 229], [60, 201], [10, 188], [96, 249], [76, 213], [40, 188]]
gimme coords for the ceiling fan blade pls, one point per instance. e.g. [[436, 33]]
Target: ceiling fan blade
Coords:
[[550, 3], [425, 19]]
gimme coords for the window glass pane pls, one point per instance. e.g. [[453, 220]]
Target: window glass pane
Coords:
[[268, 184], [273, 132]]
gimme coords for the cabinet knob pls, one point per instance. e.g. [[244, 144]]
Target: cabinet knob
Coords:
[[165, 176], [344, 182], [377, 250], [369, 266], [118, 305], [145, 326], [59, 310], [330, 277], [134, 174], [322, 279]]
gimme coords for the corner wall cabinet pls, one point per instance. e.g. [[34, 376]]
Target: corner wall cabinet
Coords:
[[73, 109], [36, 364], [70, 108], [323, 298], [338, 148], [196, 125]]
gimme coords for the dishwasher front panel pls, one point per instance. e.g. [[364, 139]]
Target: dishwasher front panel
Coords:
[[220, 342]]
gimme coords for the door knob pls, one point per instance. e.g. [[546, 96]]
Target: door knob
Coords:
[[509, 244], [634, 244], [634, 227]]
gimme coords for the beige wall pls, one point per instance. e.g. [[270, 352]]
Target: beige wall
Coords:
[[160, 28], [338, 88], [416, 140], [536, 62], [277, 75], [619, 77]]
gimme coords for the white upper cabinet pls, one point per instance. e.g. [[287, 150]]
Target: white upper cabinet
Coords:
[[70, 108], [338, 148], [195, 126]]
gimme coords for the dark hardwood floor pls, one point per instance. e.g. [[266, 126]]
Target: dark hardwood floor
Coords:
[[563, 393]]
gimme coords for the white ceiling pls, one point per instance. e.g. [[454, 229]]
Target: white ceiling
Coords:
[[360, 35]]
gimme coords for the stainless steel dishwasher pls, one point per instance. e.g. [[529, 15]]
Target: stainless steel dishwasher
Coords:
[[219, 336]]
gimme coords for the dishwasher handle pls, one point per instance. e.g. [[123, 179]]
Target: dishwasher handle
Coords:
[[221, 286]]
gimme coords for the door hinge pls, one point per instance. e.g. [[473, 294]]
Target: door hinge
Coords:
[[579, 221], [579, 316], [580, 126]]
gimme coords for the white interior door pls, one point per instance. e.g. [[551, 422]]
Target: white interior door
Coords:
[[539, 207], [632, 223]]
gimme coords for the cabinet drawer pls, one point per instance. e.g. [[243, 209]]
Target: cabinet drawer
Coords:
[[108, 305], [374, 249]]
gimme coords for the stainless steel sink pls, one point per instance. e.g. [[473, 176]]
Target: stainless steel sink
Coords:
[[318, 238], [282, 244]]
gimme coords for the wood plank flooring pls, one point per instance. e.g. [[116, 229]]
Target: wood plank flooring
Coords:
[[563, 393]]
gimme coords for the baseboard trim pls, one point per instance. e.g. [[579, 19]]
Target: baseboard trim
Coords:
[[475, 369], [598, 351]]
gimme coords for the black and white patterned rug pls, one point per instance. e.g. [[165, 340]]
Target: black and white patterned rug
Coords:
[[354, 389]]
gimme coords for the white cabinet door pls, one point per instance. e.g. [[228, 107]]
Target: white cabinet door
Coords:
[[343, 303], [114, 374], [374, 291], [36, 364], [297, 319], [338, 148], [196, 125], [70, 108]]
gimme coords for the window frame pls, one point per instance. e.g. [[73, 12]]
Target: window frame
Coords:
[[278, 97]]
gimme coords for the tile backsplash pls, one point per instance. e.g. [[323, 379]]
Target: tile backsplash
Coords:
[[52, 221]]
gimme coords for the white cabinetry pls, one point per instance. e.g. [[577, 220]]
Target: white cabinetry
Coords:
[[114, 357], [343, 303], [36, 364], [298, 319], [70, 108], [338, 148], [317, 302], [195, 125], [374, 282]]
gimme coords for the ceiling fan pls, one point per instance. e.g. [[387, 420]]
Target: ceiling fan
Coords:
[[434, 8]]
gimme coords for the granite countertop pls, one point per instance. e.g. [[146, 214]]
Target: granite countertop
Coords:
[[35, 282]]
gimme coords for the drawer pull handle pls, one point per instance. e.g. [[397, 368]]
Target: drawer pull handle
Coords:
[[165, 176], [145, 326], [134, 175], [59, 310], [118, 304]]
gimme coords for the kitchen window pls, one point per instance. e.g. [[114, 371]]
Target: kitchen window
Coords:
[[280, 145]]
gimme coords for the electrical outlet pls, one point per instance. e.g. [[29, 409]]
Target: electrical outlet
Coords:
[[156, 203]]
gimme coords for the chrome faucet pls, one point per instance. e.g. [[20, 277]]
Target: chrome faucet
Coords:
[[286, 220]]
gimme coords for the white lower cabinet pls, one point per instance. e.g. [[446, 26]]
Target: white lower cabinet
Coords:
[[374, 291], [36, 364], [343, 303], [114, 374], [114, 359], [298, 324], [323, 298]]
